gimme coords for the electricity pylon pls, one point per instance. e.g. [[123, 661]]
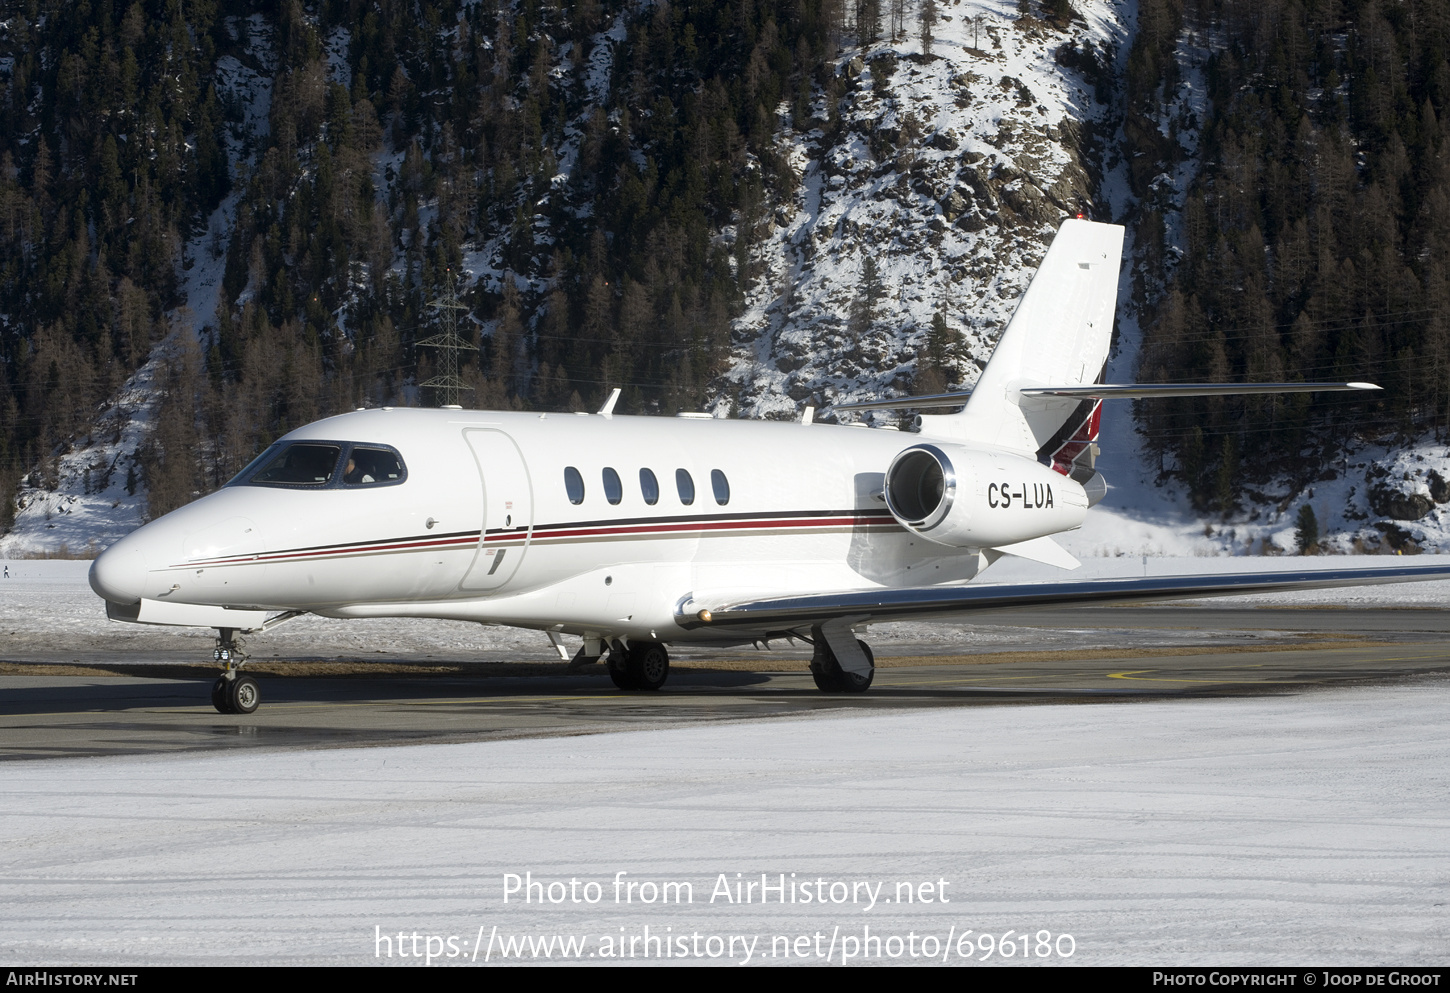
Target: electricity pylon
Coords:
[[446, 385]]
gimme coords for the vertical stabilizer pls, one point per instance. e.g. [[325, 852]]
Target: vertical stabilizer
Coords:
[[1059, 336]]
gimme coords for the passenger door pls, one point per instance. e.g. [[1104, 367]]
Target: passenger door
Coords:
[[508, 510]]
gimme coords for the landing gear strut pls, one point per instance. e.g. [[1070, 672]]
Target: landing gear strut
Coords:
[[644, 665], [233, 693], [828, 674]]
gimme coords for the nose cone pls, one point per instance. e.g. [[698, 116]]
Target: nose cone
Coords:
[[119, 573]]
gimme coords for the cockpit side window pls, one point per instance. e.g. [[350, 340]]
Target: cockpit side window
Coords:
[[300, 464], [371, 467]]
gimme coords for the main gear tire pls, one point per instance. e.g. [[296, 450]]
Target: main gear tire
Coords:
[[649, 665], [831, 678], [850, 682], [619, 671]]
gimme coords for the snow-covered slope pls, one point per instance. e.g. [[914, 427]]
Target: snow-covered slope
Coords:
[[86, 498], [950, 172]]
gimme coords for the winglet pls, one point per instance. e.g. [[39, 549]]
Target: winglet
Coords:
[[608, 409]]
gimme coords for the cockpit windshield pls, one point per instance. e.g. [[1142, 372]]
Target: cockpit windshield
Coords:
[[324, 465], [301, 464]]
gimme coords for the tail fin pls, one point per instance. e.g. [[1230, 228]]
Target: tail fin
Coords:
[[1060, 333]]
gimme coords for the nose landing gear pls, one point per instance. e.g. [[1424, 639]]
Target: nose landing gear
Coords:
[[233, 693]]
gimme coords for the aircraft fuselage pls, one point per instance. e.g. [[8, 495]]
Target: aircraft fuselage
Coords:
[[579, 524]]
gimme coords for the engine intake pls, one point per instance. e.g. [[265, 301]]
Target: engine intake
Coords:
[[918, 489], [966, 498]]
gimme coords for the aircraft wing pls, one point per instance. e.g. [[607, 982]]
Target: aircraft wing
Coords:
[[782, 613]]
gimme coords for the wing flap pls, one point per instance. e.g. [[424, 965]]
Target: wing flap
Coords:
[[886, 604]]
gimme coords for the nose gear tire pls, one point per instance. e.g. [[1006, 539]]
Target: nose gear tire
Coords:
[[219, 695], [243, 696]]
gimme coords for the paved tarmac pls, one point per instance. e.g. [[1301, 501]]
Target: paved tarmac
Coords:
[[131, 705]]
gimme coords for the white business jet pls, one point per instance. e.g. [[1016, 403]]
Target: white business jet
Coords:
[[635, 533]]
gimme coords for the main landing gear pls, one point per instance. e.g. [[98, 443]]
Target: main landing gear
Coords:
[[233, 693], [643, 665], [831, 676]]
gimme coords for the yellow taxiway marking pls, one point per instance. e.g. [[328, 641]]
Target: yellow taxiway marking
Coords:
[[983, 679], [1136, 674]]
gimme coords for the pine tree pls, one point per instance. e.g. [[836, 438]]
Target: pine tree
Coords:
[[863, 307], [928, 21], [1306, 531]]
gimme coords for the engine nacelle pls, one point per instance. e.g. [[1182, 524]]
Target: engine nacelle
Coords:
[[967, 498]]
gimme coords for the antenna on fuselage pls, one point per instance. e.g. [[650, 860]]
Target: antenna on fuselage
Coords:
[[446, 385]]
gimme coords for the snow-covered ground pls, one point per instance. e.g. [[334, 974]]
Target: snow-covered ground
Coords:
[[1292, 830]]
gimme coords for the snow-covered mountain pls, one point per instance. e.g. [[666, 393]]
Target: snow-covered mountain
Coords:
[[950, 176]]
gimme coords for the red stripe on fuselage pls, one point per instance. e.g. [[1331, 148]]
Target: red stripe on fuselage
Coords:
[[556, 531], [793, 522]]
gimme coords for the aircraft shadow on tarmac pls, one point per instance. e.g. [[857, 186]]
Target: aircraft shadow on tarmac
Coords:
[[129, 687], [115, 688]]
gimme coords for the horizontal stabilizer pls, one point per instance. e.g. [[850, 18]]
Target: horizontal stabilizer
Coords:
[[1043, 550], [1137, 391], [1108, 391], [887, 604], [931, 402]]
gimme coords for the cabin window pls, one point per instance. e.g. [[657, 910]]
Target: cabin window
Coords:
[[613, 488], [372, 467], [300, 464], [649, 487], [686, 486], [721, 486], [574, 485]]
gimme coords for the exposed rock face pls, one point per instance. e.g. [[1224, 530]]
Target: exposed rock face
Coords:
[[1398, 505], [1439, 487], [1398, 538], [950, 174]]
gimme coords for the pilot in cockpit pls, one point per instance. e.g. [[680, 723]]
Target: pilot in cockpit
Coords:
[[356, 474]]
